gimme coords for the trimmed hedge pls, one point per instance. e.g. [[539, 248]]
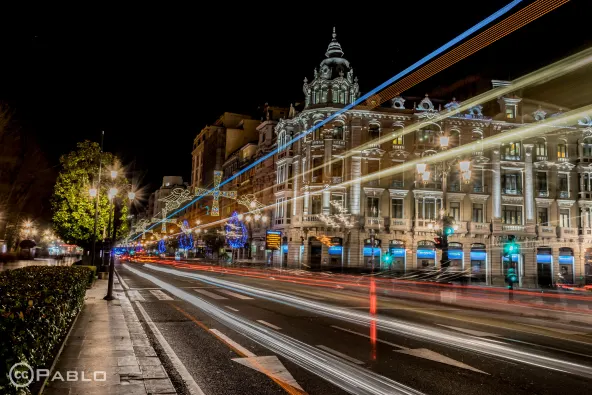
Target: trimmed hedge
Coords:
[[92, 275], [37, 307]]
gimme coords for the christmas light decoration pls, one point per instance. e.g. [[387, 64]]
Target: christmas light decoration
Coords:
[[236, 232], [216, 193], [185, 241], [161, 246]]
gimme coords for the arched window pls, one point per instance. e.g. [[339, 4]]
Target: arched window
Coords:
[[540, 149], [587, 147], [338, 132], [561, 149], [282, 140], [373, 131]]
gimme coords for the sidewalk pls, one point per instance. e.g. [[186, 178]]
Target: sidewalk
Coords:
[[109, 346]]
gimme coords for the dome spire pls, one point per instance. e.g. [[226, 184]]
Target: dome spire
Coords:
[[334, 50]]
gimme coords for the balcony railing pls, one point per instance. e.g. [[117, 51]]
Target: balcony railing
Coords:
[[315, 179], [311, 218], [479, 189], [541, 158], [400, 224], [543, 194], [509, 191], [566, 232], [372, 183], [479, 227], [318, 143], [398, 147], [561, 159], [546, 231], [512, 157], [374, 221], [564, 194], [339, 143], [454, 187], [513, 228], [397, 184], [336, 180]]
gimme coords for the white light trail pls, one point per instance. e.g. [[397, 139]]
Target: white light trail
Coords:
[[424, 333]]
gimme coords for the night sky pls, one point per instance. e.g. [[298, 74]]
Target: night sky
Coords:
[[153, 77]]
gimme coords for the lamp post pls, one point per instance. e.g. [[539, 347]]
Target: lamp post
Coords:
[[115, 201], [94, 194]]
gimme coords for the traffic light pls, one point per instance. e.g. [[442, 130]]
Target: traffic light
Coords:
[[511, 277], [448, 230], [438, 242], [511, 247], [387, 258]]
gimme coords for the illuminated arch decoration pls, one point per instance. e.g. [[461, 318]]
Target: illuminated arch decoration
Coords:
[[236, 232]]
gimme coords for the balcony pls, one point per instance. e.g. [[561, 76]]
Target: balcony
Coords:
[[397, 184], [542, 194], [563, 194], [373, 183], [541, 158], [316, 179], [285, 154], [479, 188], [398, 147], [567, 233], [562, 160], [478, 228], [402, 224], [585, 159], [586, 195], [311, 218], [374, 222], [515, 158], [546, 231], [510, 191], [339, 143], [456, 187], [317, 144], [336, 180], [513, 228]]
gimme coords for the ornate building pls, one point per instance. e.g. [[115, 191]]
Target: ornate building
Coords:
[[539, 190]]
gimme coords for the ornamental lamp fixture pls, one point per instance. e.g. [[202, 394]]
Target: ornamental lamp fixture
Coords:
[[93, 192], [113, 174], [444, 140], [421, 168], [131, 195]]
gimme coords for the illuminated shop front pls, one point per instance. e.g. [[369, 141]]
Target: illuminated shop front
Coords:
[[478, 263], [336, 252], [456, 255], [544, 262], [372, 253], [399, 256], [426, 254], [566, 265]]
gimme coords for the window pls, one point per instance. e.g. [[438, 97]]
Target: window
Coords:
[[562, 182], [336, 202], [512, 215], [282, 140], [564, 218], [587, 182], [477, 179], [316, 204], [317, 169], [398, 140], [281, 174], [478, 212], [428, 208], [510, 112], [561, 150], [279, 211], [541, 181], [337, 168], [338, 133], [587, 149], [455, 210], [397, 208], [511, 183], [540, 149], [373, 132], [511, 151], [426, 136], [543, 216], [372, 206]]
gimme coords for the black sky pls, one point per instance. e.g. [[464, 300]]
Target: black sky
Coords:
[[153, 77]]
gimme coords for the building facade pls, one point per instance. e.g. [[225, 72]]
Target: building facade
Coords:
[[333, 214]]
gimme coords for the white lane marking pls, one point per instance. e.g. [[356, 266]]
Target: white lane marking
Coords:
[[368, 337], [434, 356], [231, 308], [548, 347], [470, 331], [339, 354], [210, 294], [135, 296], [160, 295], [142, 289], [191, 385], [239, 296], [123, 283], [277, 328], [231, 342], [270, 366], [550, 328]]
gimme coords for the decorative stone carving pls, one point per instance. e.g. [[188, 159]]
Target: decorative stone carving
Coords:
[[475, 111], [453, 105], [426, 104], [539, 114], [398, 102]]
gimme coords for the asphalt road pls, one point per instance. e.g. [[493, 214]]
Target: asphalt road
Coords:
[[326, 339]]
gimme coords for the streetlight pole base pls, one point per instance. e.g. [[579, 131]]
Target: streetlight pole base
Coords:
[[109, 297]]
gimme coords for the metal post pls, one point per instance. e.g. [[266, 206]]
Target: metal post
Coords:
[[372, 246], [109, 295], [94, 236], [108, 232], [444, 262]]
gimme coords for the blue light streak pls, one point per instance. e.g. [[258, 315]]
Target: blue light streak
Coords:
[[380, 87]]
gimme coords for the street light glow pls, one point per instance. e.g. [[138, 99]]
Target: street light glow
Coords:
[[112, 192], [113, 174], [131, 195], [92, 192]]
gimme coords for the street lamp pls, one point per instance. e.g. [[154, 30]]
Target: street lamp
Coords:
[[113, 174], [93, 192]]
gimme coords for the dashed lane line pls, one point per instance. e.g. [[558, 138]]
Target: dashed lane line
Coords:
[[277, 328], [209, 294], [340, 355]]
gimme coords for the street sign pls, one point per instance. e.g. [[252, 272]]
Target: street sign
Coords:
[[273, 240]]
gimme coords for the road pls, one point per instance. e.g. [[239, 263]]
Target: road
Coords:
[[247, 333]]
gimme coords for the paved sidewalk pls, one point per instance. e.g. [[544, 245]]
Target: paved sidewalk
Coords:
[[109, 338]]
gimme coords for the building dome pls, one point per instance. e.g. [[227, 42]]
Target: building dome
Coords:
[[334, 82], [335, 65]]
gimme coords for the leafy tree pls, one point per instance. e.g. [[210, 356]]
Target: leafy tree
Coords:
[[73, 208], [214, 242]]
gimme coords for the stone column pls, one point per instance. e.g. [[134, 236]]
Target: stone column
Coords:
[[528, 183], [306, 200], [355, 189], [296, 186], [326, 201], [496, 187]]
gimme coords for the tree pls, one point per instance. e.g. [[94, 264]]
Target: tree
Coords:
[[73, 208], [214, 242]]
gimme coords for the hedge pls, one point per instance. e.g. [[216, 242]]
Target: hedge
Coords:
[[37, 307]]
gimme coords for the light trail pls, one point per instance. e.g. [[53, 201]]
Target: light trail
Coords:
[[361, 99], [423, 333], [347, 376]]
